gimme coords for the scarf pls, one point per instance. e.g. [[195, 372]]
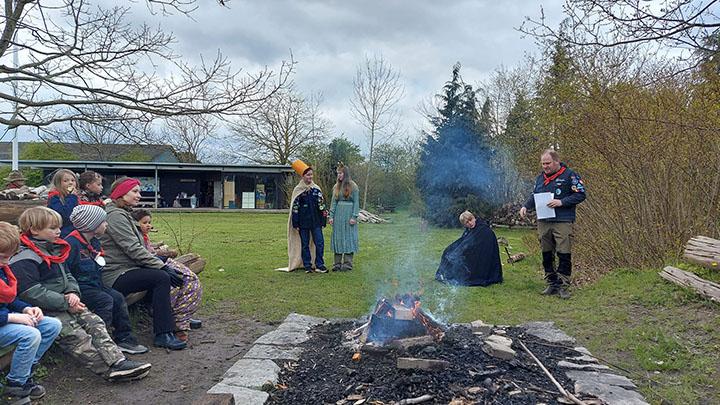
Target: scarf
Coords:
[[48, 259], [8, 291], [88, 198], [87, 244], [552, 177]]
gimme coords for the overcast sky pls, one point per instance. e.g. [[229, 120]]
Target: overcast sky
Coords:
[[422, 39]]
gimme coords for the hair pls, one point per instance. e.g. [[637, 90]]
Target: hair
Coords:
[[140, 213], [466, 217], [38, 218], [88, 177], [9, 238], [56, 182], [552, 153], [347, 185]]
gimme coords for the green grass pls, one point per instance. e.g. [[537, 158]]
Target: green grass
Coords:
[[668, 338]]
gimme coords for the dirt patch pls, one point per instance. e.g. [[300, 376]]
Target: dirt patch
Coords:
[[176, 377]]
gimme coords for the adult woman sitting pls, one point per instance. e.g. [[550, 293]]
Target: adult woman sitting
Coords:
[[131, 268]]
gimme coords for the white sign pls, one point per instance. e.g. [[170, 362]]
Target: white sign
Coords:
[[541, 202]]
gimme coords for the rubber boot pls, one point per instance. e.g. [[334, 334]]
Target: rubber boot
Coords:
[[337, 263], [551, 277], [348, 264], [564, 272]]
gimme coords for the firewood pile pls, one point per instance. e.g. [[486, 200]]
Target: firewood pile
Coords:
[[23, 193], [369, 217], [509, 215]]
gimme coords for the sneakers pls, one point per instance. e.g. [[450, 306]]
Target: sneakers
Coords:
[[29, 390], [131, 347], [128, 370], [168, 340], [321, 269]]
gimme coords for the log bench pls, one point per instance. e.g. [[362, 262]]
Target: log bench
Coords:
[[704, 252], [191, 260]]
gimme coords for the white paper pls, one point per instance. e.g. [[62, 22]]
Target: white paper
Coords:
[[541, 202]]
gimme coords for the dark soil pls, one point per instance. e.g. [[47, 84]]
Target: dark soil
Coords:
[[326, 374], [176, 377]]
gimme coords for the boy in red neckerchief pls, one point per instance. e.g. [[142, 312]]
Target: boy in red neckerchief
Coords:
[[44, 280], [86, 262], [21, 325]]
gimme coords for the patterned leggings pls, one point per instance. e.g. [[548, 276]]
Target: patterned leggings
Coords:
[[185, 300]]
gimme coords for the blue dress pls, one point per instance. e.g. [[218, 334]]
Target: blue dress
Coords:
[[345, 236]]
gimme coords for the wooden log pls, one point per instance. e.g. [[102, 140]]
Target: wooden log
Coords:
[[193, 262], [703, 251], [703, 287], [10, 210]]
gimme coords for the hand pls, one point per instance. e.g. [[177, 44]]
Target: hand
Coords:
[[72, 299], [76, 309], [554, 203], [330, 221], [23, 319], [176, 279], [353, 221], [523, 212], [34, 312]]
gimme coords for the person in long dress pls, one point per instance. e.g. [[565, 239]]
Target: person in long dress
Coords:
[[344, 211]]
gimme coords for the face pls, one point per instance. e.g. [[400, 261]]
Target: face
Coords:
[[68, 183], [340, 175], [549, 166], [48, 234], [132, 198], [145, 224], [95, 187], [471, 223], [308, 176], [101, 229]]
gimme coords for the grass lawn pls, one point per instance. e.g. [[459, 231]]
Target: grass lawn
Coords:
[[666, 338]]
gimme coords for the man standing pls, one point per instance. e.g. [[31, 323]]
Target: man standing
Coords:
[[556, 233], [308, 215]]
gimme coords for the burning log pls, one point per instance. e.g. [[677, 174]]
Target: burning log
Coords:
[[401, 318]]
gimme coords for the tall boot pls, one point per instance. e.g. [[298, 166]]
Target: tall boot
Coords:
[[348, 263], [551, 276], [564, 272], [337, 263]]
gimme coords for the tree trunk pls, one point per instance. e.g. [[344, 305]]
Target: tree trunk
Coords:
[[369, 167], [703, 287], [703, 251]]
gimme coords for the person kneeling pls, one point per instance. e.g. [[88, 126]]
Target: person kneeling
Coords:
[[474, 259], [44, 280], [21, 325]]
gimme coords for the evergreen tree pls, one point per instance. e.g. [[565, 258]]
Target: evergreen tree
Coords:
[[455, 171]]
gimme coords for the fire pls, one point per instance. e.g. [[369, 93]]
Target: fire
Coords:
[[400, 318]]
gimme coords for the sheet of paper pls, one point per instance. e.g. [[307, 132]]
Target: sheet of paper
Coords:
[[541, 201]]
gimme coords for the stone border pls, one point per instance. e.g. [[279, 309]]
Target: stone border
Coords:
[[259, 366]]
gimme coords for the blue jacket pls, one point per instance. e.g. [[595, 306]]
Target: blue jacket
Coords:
[[567, 187], [309, 210], [64, 209], [16, 305], [82, 264]]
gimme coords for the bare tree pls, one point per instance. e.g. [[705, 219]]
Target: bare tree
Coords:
[[279, 128], [684, 24], [504, 86], [78, 57], [376, 91], [189, 135]]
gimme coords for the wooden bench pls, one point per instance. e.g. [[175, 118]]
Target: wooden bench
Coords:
[[191, 260], [704, 252]]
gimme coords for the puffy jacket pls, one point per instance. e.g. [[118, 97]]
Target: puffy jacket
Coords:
[[568, 187], [41, 285], [124, 247], [64, 207], [17, 305], [82, 264]]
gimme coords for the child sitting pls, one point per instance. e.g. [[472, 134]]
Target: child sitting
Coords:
[[91, 187], [185, 300], [21, 325], [86, 262], [44, 280], [474, 259], [63, 198]]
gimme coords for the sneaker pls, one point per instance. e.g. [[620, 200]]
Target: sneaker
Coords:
[[309, 270], [321, 269], [15, 391], [132, 348], [169, 341], [128, 370]]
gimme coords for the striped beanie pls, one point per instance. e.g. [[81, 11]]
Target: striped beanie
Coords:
[[87, 218]]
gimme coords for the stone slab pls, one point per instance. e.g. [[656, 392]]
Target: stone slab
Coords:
[[610, 394], [271, 352], [480, 327], [499, 346], [303, 319], [244, 396], [601, 378], [585, 358], [582, 350], [548, 332], [284, 336], [576, 366], [251, 373]]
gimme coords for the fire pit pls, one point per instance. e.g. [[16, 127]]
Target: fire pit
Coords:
[[399, 318]]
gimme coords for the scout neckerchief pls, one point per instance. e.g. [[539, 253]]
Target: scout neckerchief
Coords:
[[87, 244], [548, 179], [8, 291], [48, 259]]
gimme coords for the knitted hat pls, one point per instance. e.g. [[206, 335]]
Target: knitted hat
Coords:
[[87, 218], [300, 167]]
